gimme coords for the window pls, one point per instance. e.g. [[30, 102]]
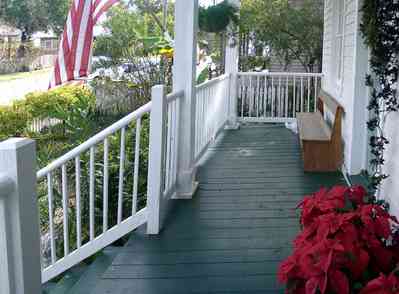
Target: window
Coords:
[[339, 40]]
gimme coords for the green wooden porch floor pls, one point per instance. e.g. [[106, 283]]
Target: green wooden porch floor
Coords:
[[231, 237]]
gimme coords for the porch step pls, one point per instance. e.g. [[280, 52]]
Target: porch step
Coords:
[[82, 278], [67, 282], [90, 277]]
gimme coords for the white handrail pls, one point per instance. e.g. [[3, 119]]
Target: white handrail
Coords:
[[174, 96], [95, 140], [291, 74], [212, 82]]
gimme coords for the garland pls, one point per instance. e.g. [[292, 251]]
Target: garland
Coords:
[[216, 18], [380, 29]]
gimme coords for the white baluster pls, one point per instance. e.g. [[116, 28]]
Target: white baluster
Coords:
[[78, 202], [302, 95], [65, 208], [105, 185], [92, 180], [294, 104], [121, 175], [273, 96], [136, 166], [309, 94], [257, 97], [286, 97], [50, 197]]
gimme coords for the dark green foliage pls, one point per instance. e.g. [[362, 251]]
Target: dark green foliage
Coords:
[[216, 18], [380, 29], [35, 15]]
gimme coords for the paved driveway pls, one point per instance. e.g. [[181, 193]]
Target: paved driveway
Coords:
[[18, 87]]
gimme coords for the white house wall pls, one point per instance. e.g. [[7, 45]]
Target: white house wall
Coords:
[[390, 186], [351, 93]]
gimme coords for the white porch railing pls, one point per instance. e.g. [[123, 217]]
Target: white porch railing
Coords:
[[276, 97], [76, 176], [171, 143], [212, 112], [75, 223]]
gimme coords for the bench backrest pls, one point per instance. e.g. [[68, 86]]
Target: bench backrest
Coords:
[[325, 100]]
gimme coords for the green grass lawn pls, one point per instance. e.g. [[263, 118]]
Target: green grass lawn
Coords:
[[21, 75]]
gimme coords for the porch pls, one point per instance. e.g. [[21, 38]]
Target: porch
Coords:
[[232, 235], [209, 205], [222, 227]]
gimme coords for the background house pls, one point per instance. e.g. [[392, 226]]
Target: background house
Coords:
[[44, 48], [9, 34]]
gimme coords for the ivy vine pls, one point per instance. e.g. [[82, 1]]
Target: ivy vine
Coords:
[[380, 29]]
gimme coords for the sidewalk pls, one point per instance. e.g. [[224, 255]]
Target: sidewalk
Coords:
[[16, 86]]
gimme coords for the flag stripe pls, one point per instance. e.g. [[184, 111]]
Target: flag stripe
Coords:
[[77, 40]]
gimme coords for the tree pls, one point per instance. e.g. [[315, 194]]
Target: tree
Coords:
[[35, 15], [134, 40], [57, 11], [132, 30], [27, 15], [294, 32]]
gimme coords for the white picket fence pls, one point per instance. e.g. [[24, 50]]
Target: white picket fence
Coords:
[[37, 125], [276, 97]]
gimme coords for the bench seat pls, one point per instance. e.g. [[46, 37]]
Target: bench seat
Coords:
[[312, 127], [321, 144]]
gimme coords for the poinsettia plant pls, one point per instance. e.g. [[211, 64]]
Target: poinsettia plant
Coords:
[[348, 244]]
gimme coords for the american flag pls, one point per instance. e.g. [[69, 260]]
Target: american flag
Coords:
[[74, 55]]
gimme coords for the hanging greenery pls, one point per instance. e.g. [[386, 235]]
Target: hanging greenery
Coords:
[[380, 29], [216, 18]]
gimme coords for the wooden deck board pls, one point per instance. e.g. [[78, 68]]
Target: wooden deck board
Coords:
[[231, 237]]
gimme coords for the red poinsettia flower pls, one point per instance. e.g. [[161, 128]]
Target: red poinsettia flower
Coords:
[[357, 194], [382, 285], [339, 282], [321, 202], [343, 240]]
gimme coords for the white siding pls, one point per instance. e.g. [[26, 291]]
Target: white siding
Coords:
[[390, 186], [347, 93], [353, 97]]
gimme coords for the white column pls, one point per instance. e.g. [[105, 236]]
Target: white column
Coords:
[[231, 67], [156, 159], [184, 78], [20, 270]]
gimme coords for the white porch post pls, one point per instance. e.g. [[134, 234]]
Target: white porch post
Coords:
[[231, 67], [20, 271], [155, 160], [184, 78]]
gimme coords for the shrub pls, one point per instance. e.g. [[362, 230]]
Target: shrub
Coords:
[[59, 103], [13, 121], [70, 105], [348, 244]]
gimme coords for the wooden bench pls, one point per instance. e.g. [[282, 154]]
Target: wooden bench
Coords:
[[321, 143]]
